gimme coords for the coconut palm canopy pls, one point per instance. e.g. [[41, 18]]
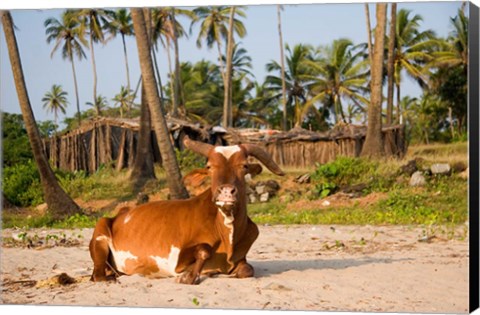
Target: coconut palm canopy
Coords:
[[327, 72]]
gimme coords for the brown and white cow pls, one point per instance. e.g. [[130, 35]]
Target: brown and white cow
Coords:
[[207, 234]]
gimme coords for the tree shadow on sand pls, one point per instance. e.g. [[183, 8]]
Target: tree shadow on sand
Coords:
[[271, 267]]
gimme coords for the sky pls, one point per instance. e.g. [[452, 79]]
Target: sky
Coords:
[[316, 24]]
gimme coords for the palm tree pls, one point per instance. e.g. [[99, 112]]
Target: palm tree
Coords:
[[213, 30], [373, 146], [68, 34], [59, 203], [100, 104], [453, 51], [339, 73], [282, 63], [94, 20], [174, 177], [391, 61], [227, 98], [202, 84], [296, 81], [124, 100], [121, 23], [55, 100], [167, 30], [449, 78], [412, 50]]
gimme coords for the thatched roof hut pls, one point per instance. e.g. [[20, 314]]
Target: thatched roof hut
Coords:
[[113, 140]]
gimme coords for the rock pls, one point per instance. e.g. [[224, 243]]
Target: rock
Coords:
[[326, 203], [42, 208], [260, 189], [302, 179], [417, 179], [252, 198], [440, 169], [459, 167], [273, 184], [354, 188], [409, 168], [264, 197], [464, 174], [142, 198]]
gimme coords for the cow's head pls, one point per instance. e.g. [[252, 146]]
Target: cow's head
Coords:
[[227, 167]]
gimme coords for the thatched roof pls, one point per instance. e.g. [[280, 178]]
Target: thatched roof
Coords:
[[344, 131]]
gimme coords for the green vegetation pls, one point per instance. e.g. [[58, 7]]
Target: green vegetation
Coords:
[[443, 201]]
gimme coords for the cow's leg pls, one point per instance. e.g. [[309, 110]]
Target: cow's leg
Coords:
[[99, 250], [244, 269], [201, 253]]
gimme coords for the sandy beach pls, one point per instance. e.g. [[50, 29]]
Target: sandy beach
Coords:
[[299, 267]]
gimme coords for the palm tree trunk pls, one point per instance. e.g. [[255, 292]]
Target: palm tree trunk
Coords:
[[373, 146], [391, 63], [369, 33], [399, 119], [160, 87], [94, 68], [126, 61], [76, 90], [59, 203], [282, 63], [172, 84], [143, 169], [174, 177], [177, 82], [220, 61], [227, 99]]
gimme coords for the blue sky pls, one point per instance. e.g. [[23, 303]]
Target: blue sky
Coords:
[[316, 24]]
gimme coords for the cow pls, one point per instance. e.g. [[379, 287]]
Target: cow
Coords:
[[205, 235]]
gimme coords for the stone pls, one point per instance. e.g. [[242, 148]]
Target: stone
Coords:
[[302, 179], [264, 197], [464, 174], [417, 179], [459, 167], [260, 189], [252, 198], [42, 208], [409, 168], [440, 169]]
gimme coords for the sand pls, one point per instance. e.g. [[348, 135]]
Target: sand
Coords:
[[300, 267]]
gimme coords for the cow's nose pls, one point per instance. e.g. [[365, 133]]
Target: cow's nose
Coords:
[[226, 194]]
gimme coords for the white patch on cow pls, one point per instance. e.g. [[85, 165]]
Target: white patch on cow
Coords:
[[228, 151], [119, 256], [228, 222], [166, 266]]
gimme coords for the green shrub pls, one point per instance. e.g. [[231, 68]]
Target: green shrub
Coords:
[[345, 171], [188, 160], [21, 184]]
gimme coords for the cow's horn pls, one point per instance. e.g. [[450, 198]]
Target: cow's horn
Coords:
[[197, 146], [263, 157]]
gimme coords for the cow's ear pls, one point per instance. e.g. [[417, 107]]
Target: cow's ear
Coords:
[[196, 177], [254, 169]]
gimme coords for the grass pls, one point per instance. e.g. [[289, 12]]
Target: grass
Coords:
[[443, 201]]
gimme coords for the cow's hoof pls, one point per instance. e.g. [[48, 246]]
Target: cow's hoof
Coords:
[[244, 270], [188, 278]]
